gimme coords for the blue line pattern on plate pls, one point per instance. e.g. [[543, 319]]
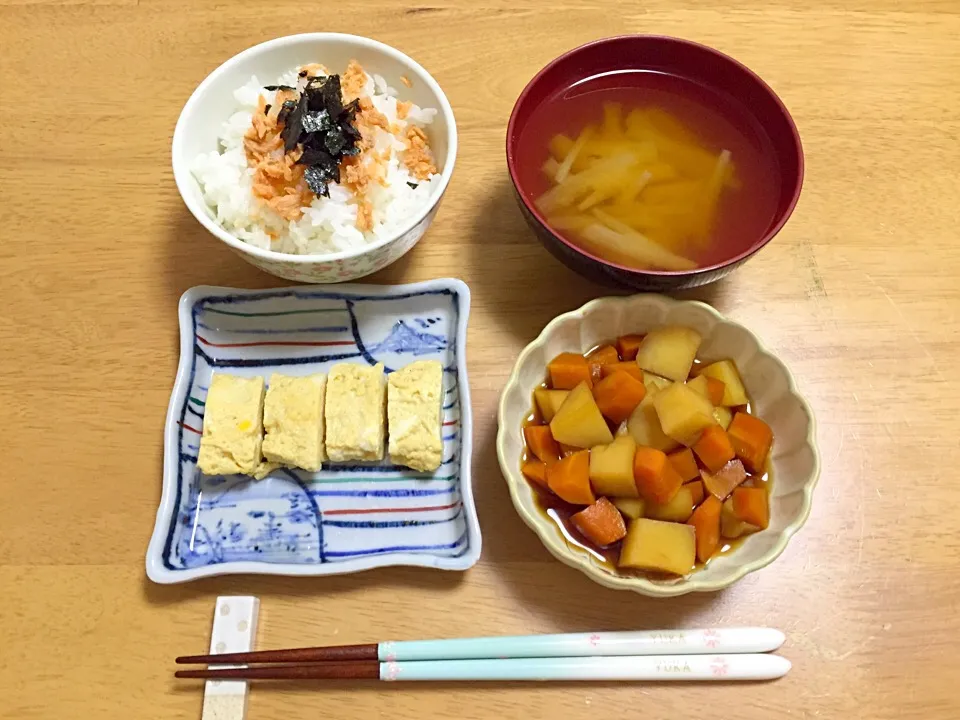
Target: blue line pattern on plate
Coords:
[[284, 517], [275, 331]]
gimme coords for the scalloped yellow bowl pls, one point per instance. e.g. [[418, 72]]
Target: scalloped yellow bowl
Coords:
[[795, 459]]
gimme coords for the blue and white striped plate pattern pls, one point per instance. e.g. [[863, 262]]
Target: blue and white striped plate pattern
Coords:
[[347, 517]]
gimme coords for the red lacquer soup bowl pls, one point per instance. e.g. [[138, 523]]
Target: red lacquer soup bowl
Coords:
[[716, 94]]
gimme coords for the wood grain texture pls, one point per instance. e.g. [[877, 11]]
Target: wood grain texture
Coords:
[[859, 295]]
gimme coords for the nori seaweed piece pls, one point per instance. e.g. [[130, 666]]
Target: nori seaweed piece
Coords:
[[413, 185], [317, 181], [352, 108], [314, 156], [332, 96], [317, 122], [278, 87], [324, 127], [294, 125], [334, 141], [350, 131], [266, 108], [314, 93], [285, 110]]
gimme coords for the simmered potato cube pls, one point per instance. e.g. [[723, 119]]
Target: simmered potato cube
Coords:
[[679, 509], [630, 507], [611, 468], [657, 545], [723, 416], [655, 383], [669, 351], [578, 422], [549, 401], [734, 393], [644, 426], [683, 412]]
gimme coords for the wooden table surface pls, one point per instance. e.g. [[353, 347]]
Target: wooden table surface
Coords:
[[859, 295]]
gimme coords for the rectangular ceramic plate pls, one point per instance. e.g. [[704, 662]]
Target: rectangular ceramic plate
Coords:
[[347, 517]]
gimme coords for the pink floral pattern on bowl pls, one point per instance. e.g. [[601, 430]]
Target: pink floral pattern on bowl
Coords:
[[342, 269]]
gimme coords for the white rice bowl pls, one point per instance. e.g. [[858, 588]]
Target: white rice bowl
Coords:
[[328, 224]]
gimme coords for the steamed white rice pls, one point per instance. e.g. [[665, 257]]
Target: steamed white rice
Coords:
[[329, 224]]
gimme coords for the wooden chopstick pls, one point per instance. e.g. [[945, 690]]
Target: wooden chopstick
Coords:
[[333, 653], [644, 642], [367, 670]]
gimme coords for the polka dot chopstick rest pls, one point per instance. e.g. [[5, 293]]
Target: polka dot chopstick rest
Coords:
[[234, 630]]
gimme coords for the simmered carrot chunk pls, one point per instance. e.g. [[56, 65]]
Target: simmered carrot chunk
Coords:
[[627, 346], [751, 506], [536, 471], [569, 478], [656, 479], [604, 355], [751, 438], [617, 395], [685, 464], [696, 490], [715, 389], [628, 367], [706, 522], [541, 443], [714, 448], [601, 522], [567, 370]]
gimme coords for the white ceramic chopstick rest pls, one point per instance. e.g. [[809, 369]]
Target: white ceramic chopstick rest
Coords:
[[234, 630]]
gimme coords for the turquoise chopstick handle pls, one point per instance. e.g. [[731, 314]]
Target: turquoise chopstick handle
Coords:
[[672, 642]]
